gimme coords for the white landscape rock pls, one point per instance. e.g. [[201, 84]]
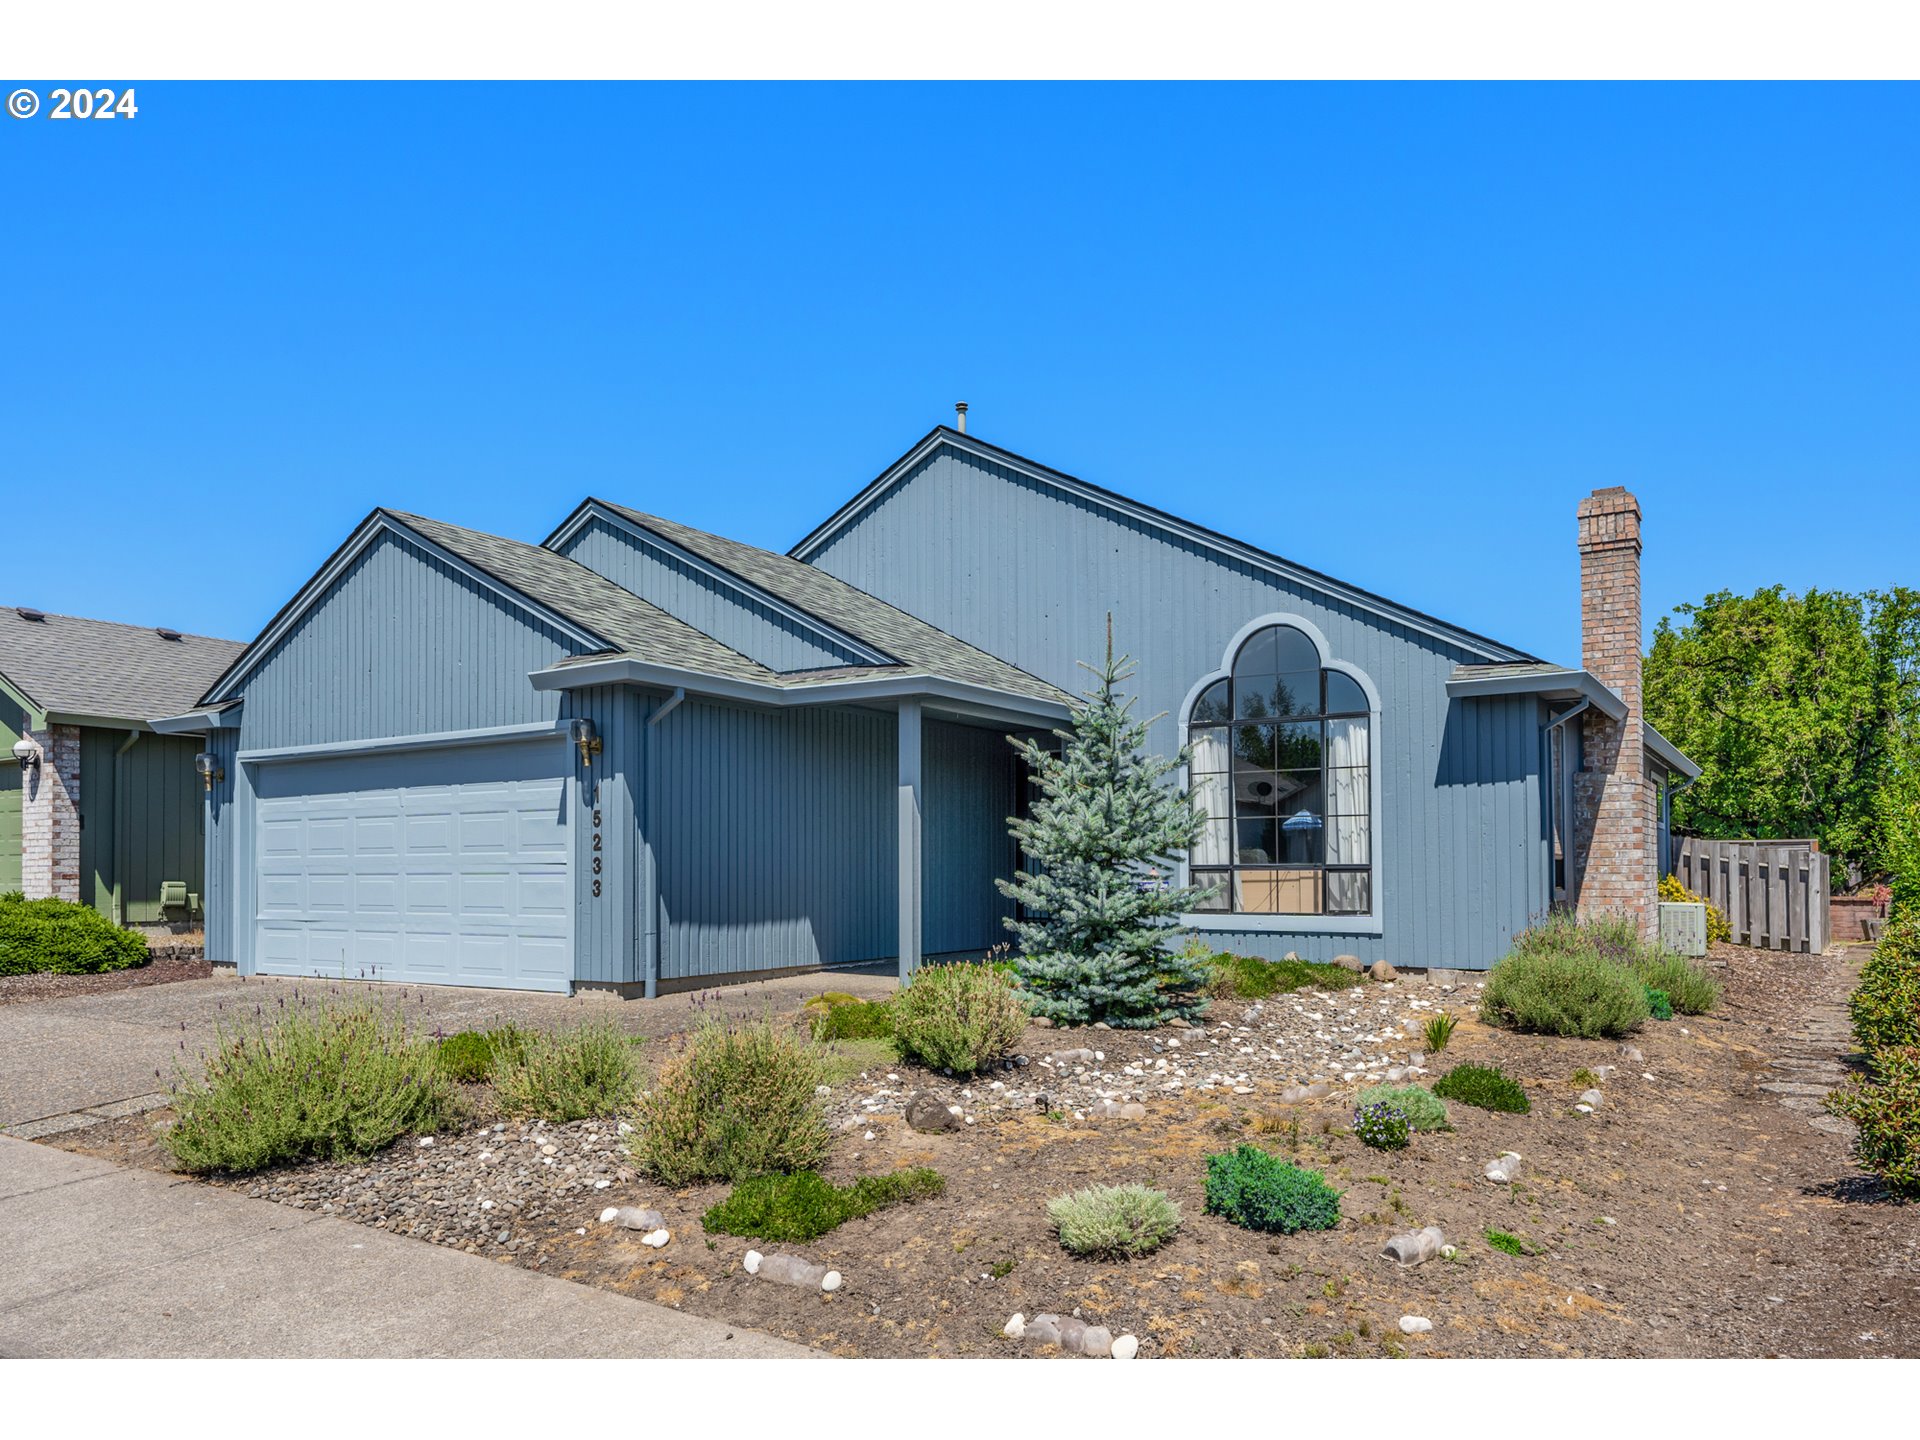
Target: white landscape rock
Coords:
[[654, 1239], [632, 1217], [1126, 1347], [1593, 1098], [1505, 1169], [1015, 1327], [1415, 1324]]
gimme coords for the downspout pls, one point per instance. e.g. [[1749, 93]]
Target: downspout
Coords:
[[120, 827], [654, 937], [1560, 806]]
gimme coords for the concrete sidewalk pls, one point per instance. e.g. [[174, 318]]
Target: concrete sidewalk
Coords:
[[102, 1261]]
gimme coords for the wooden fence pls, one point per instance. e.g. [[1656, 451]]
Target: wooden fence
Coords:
[[1774, 892]]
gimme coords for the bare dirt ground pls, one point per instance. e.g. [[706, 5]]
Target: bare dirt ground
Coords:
[[1695, 1213], [19, 989]]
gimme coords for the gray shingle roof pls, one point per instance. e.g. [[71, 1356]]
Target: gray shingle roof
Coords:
[[590, 600], [919, 647], [67, 665]]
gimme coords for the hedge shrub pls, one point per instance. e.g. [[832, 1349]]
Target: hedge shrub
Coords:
[[58, 937], [1259, 1192], [1485, 1087], [1885, 1106], [959, 1017], [1114, 1222], [316, 1080], [736, 1102], [1885, 1005], [793, 1209]]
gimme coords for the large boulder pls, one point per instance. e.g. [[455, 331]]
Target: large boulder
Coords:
[[928, 1113], [1350, 962], [1383, 971]]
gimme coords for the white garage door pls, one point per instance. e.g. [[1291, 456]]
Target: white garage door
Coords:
[[440, 867]]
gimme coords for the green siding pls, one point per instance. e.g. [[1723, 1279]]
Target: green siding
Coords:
[[12, 722], [141, 822]]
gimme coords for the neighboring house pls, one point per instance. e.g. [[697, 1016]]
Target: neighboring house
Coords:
[[642, 756], [94, 806]]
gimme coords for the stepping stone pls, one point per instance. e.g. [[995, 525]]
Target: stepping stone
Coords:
[[1809, 1107], [1832, 1124], [1789, 1088]]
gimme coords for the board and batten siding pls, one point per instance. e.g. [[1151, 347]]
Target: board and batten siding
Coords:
[[1029, 572], [967, 796], [221, 813], [772, 834], [730, 615], [400, 644], [605, 931], [140, 823]]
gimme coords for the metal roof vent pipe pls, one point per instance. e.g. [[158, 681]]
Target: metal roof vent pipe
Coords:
[[960, 416]]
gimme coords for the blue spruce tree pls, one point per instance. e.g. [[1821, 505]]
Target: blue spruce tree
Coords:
[[1105, 833]]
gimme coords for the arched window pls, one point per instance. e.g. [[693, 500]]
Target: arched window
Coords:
[[1281, 766]]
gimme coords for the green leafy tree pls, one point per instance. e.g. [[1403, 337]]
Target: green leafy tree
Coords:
[[1794, 706], [1105, 833]]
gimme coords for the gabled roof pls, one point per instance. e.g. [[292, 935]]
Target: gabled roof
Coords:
[[626, 638], [595, 613], [1557, 682], [96, 670], [942, 436], [911, 642]]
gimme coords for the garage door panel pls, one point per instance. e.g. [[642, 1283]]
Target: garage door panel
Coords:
[[460, 881]]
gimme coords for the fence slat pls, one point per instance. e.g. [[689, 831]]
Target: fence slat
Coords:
[[1774, 893]]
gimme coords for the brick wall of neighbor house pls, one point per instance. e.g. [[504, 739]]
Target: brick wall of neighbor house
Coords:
[[1616, 807], [50, 817]]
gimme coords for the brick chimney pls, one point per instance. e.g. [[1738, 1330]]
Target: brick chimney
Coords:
[[1616, 807]]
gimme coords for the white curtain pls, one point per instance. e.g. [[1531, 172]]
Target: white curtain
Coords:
[[1213, 793], [1350, 801]]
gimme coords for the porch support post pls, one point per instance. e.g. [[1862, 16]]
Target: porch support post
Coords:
[[909, 838]]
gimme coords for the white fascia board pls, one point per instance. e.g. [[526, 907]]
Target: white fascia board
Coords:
[[1154, 519], [739, 584], [199, 722], [958, 695], [1572, 685], [375, 525]]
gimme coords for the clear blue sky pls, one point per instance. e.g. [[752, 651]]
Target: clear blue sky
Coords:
[[1393, 333]]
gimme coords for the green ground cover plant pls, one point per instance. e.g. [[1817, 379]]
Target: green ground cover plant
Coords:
[[1659, 1007], [959, 1017], [1423, 1109], [567, 1075], [1114, 1222], [58, 937], [1247, 977], [845, 1017], [312, 1080], [1381, 1126], [1257, 1191], [736, 1102], [1483, 1086], [1508, 1244], [797, 1208], [469, 1055]]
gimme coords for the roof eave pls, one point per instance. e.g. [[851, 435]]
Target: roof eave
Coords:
[[1669, 754], [1564, 685], [200, 720], [959, 696]]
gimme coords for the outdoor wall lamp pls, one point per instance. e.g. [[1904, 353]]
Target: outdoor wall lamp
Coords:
[[208, 766], [583, 735], [27, 753]]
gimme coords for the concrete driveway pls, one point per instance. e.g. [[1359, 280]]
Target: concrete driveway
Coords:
[[103, 1261], [71, 1062]]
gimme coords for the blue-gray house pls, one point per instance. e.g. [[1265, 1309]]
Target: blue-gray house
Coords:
[[638, 755]]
